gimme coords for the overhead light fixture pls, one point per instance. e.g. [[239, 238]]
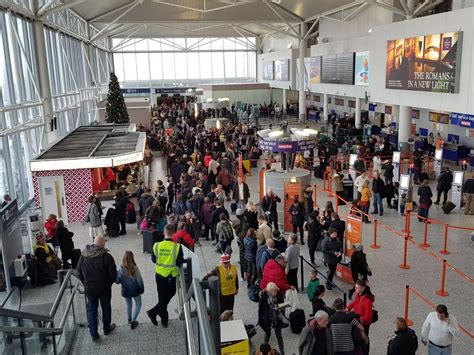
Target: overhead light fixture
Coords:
[[190, 90], [275, 134], [209, 100], [293, 180], [290, 45], [302, 134], [370, 30], [269, 50]]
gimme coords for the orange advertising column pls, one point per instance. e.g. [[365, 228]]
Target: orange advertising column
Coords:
[[292, 190], [353, 233]]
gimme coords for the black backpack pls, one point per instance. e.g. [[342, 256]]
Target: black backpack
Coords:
[[297, 321]]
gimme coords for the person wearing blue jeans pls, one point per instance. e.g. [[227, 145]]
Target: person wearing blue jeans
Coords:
[[93, 301], [378, 189], [128, 275]]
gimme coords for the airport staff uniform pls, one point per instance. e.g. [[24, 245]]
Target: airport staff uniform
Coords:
[[168, 257]]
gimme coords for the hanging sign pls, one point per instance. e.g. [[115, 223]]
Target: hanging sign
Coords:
[[353, 233]]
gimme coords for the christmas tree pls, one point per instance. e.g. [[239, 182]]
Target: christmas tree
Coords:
[[116, 110]]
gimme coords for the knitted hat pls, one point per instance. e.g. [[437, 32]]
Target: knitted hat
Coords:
[[40, 238], [358, 247], [225, 258]]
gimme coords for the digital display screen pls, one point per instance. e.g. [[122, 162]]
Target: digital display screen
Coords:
[[396, 157], [458, 178], [405, 182], [439, 154], [352, 159]]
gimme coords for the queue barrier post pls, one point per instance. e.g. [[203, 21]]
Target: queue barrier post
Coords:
[[315, 192], [407, 301], [407, 224], [337, 203], [442, 292], [445, 248], [425, 236], [405, 266], [375, 245]]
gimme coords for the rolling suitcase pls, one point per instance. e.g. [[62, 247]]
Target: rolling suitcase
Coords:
[[149, 239], [448, 207], [297, 321]]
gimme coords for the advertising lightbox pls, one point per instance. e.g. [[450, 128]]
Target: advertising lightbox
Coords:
[[424, 63]]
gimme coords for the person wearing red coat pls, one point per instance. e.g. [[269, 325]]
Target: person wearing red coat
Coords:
[[362, 307], [50, 227], [183, 237], [274, 271]]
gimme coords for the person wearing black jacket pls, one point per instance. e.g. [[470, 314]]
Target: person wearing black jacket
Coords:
[[445, 179], [97, 271], [378, 189], [339, 225], [468, 191], [297, 213], [332, 254], [64, 238], [121, 210], [269, 207], [241, 193], [405, 341], [388, 173], [215, 217], [424, 191], [269, 316], [359, 267], [315, 231]]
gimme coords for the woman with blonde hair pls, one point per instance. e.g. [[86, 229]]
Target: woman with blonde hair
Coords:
[[251, 215], [132, 286]]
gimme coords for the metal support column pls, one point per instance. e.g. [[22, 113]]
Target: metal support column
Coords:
[[325, 108], [43, 76], [302, 94], [358, 120], [284, 104], [404, 128]]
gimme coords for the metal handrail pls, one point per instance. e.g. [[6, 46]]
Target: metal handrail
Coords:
[[56, 330], [37, 317], [5, 300], [204, 326], [344, 293]]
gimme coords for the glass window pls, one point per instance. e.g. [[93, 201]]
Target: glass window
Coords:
[[154, 44], [192, 43], [167, 44], [229, 43], [168, 69], [180, 42], [141, 44], [217, 43], [193, 65], [205, 60], [229, 64], [241, 64], [181, 66], [130, 66], [143, 67], [156, 72], [218, 65]]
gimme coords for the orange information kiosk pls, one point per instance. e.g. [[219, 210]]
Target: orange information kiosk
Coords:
[[292, 190]]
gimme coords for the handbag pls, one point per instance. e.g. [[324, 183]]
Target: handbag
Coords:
[[375, 316]]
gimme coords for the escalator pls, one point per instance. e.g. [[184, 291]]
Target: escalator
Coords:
[[47, 328]]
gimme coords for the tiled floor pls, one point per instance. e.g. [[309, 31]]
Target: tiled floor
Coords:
[[387, 283]]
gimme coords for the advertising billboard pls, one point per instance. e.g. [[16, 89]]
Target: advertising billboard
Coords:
[[338, 69], [268, 70], [424, 63], [361, 75], [315, 68], [282, 70]]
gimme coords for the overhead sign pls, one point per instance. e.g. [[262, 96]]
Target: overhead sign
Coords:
[[462, 119], [172, 90], [268, 70], [287, 146], [424, 63], [282, 69], [315, 65], [361, 76]]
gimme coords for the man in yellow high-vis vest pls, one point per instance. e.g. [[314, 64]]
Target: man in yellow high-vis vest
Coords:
[[228, 282], [168, 257], [45, 256]]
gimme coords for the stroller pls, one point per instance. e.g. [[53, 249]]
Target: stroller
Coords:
[[112, 223]]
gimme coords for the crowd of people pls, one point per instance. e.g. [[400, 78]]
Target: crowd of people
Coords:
[[189, 208]]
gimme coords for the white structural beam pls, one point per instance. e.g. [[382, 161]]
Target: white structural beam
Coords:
[[391, 8], [311, 28], [127, 39], [356, 11], [204, 10], [334, 11], [270, 6], [134, 4], [407, 10], [420, 7], [288, 12], [46, 7], [276, 29], [253, 34], [60, 8], [429, 6], [110, 12]]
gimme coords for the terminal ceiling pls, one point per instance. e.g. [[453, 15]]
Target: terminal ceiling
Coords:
[[203, 18]]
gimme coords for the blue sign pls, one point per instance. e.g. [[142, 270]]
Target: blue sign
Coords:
[[372, 107], [462, 119], [287, 146], [136, 91]]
